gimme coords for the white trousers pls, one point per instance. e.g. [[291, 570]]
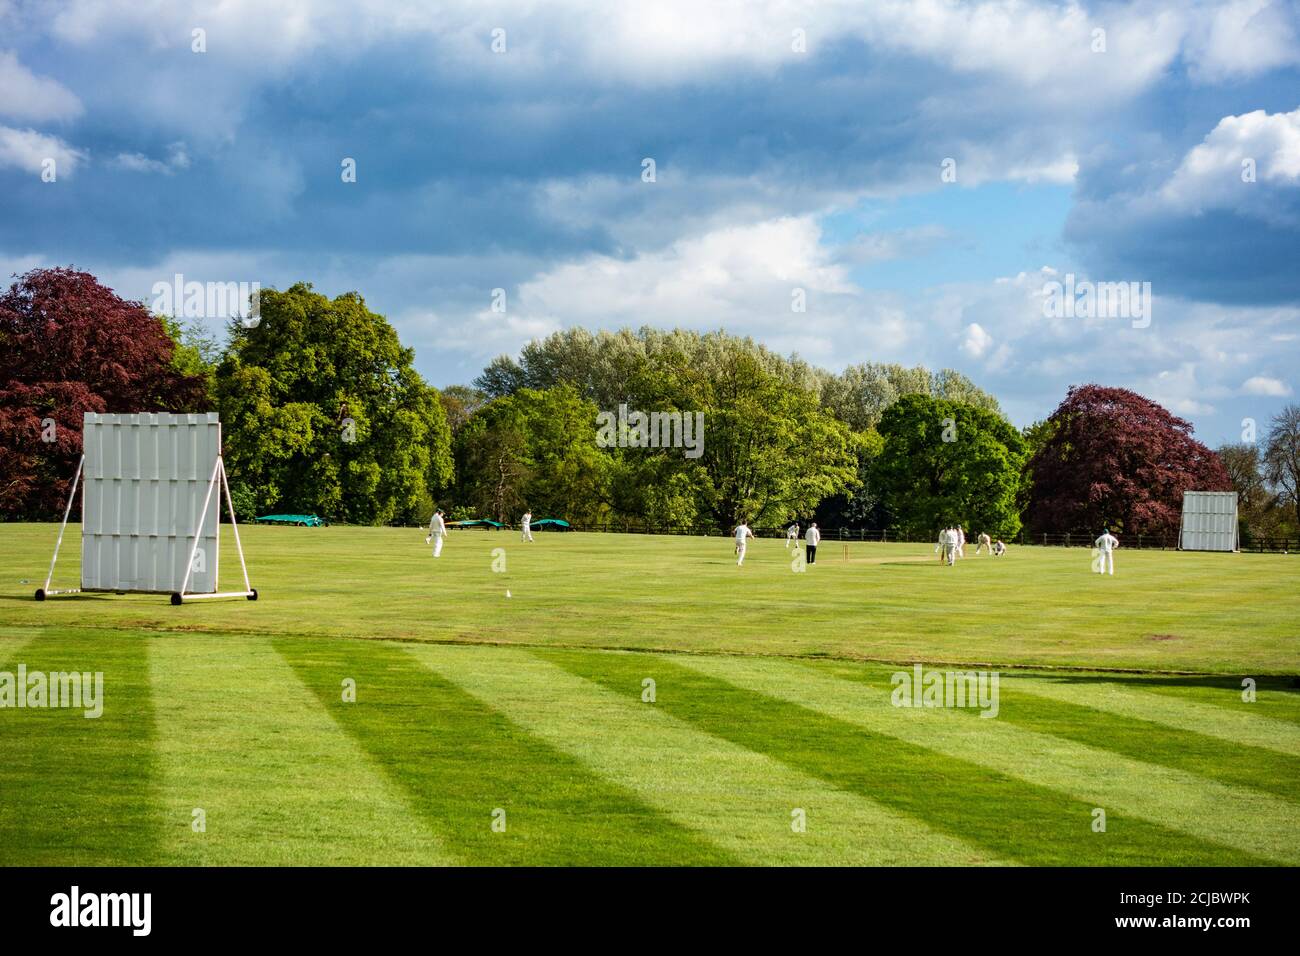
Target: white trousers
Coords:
[[1106, 562], [437, 545], [740, 550], [527, 534]]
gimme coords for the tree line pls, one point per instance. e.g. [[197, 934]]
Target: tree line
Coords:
[[322, 411]]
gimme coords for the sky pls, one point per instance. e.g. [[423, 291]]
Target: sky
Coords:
[[917, 174]]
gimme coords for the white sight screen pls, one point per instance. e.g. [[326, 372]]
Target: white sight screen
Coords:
[[143, 483], [1209, 521]]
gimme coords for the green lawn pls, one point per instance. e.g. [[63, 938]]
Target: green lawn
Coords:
[[772, 704]]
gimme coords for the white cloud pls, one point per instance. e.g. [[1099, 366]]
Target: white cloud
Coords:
[[26, 96], [177, 158], [1210, 175], [1265, 385], [976, 341], [740, 275], [1242, 38], [28, 150], [1043, 46]]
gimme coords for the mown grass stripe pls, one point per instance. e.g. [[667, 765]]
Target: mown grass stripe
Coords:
[[964, 798], [80, 791], [459, 761], [1231, 816], [1229, 763], [12, 642], [1240, 726], [279, 783], [1276, 698], [740, 800]]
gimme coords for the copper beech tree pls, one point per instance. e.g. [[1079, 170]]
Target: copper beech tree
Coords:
[[1114, 458], [69, 345]]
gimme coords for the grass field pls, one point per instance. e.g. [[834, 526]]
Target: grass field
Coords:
[[772, 704]]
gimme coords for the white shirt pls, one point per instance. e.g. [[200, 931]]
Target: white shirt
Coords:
[[742, 532], [792, 531], [813, 537], [436, 525], [1107, 542], [528, 518]]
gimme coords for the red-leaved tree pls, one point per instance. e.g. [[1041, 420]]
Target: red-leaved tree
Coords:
[[68, 345], [1117, 459]]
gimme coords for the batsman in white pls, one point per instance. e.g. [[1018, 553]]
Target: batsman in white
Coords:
[[742, 534], [1106, 546], [950, 546], [792, 536], [437, 531], [526, 524]]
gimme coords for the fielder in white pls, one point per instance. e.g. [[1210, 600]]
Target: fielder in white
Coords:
[[950, 546], [1106, 546], [437, 531], [792, 536], [742, 535], [984, 542], [961, 542], [526, 525]]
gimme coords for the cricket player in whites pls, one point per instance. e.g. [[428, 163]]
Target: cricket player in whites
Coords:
[[950, 546], [526, 524], [811, 540], [742, 534], [1106, 546], [792, 536], [984, 542], [437, 531]]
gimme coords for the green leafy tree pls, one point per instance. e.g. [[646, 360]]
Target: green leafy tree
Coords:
[[947, 462], [860, 506], [460, 402], [534, 449], [770, 450], [860, 394], [323, 411]]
